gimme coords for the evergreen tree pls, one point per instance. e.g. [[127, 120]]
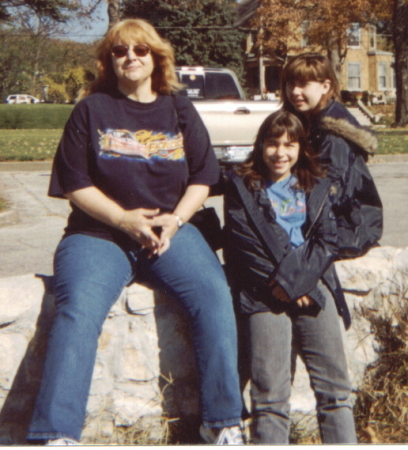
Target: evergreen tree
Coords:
[[201, 31]]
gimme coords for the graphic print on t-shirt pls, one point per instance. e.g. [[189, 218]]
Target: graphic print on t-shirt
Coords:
[[289, 205], [286, 207], [142, 144]]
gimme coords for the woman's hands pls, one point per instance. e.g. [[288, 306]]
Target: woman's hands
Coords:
[[280, 294], [146, 226], [139, 224]]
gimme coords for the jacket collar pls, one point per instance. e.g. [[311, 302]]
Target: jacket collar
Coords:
[[337, 120]]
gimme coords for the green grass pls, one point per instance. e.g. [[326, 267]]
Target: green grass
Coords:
[[37, 116], [392, 141], [28, 145], [40, 144]]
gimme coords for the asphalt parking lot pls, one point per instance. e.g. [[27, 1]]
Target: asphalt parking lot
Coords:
[[27, 246]]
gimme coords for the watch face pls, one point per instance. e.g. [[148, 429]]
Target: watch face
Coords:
[[179, 221]]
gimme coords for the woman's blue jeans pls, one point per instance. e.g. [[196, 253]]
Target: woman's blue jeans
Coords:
[[90, 274], [317, 334]]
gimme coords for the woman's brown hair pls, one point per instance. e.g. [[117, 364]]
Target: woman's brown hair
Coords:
[[309, 67], [164, 78], [306, 170]]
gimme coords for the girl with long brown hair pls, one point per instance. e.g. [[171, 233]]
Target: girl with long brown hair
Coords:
[[281, 242]]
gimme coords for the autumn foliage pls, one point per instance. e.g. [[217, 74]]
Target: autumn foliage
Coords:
[[324, 23]]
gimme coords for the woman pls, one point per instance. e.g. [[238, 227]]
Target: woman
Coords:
[[311, 91], [281, 241], [136, 163]]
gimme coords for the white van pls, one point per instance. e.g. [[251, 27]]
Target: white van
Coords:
[[21, 98]]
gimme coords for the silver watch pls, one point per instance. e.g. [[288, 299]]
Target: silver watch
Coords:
[[180, 223]]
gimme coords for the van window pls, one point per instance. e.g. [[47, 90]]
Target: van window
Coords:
[[220, 86], [209, 86], [194, 85]]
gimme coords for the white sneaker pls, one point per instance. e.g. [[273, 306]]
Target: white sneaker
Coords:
[[226, 436], [62, 441]]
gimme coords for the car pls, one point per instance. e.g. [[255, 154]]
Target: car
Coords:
[[21, 98]]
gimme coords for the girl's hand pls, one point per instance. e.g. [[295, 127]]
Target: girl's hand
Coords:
[[305, 301], [279, 292]]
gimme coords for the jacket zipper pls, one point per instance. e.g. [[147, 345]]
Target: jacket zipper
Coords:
[[319, 212]]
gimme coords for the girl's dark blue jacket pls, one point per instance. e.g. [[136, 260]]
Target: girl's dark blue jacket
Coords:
[[347, 222], [257, 249], [343, 147]]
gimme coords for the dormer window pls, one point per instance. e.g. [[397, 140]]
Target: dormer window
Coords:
[[353, 36], [373, 37], [304, 42]]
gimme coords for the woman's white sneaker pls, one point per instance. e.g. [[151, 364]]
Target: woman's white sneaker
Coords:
[[62, 441]]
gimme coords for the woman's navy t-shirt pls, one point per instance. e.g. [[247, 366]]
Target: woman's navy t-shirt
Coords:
[[141, 155]]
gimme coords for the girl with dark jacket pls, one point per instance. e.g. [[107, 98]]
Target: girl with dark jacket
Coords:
[[311, 91], [281, 242]]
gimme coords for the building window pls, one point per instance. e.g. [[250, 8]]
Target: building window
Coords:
[[373, 37], [353, 76], [382, 75], [304, 42], [393, 77], [353, 36]]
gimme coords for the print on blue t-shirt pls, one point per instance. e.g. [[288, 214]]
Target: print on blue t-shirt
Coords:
[[289, 205]]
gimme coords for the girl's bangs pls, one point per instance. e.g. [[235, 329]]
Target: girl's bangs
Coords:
[[294, 131], [304, 72]]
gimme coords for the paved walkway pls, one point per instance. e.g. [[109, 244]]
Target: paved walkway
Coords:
[[28, 245]]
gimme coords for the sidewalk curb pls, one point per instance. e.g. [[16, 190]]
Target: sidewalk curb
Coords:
[[378, 158], [25, 166], [9, 217]]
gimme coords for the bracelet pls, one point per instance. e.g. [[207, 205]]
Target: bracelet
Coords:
[[180, 223]]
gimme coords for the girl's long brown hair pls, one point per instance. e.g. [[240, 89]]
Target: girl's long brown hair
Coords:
[[306, 170], [164, 78]]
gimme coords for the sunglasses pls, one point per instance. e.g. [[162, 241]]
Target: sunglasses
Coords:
[[119, 51]]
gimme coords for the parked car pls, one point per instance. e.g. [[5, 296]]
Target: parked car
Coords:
[[21, 98], [231, 120]]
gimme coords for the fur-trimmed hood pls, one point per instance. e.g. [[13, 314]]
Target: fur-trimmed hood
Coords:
[[358, 135]]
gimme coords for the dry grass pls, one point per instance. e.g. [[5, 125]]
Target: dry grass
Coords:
[[3, 205], [304, 430], [381, 410], [148, 430]]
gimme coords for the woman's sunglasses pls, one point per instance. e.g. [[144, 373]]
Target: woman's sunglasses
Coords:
[[119, 51]]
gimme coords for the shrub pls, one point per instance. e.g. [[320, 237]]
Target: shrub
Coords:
[[38, 116]]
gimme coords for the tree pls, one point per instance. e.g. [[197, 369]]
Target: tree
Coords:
[[33, 23], [14, 68], [325, 24], [201, 31], [113, 11], [18, 60], [55, 10], [400, 35]]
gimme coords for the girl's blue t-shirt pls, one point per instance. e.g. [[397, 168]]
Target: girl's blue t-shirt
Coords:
[[289, 205]]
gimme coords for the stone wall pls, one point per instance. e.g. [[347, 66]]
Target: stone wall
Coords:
[[145, 367]]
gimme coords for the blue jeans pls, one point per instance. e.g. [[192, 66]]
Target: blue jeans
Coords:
[[317, 333], [90, 274]]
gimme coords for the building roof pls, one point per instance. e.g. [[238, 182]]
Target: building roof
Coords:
[[246, 10]]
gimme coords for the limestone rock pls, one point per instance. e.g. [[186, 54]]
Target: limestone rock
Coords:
[[145, 368]]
